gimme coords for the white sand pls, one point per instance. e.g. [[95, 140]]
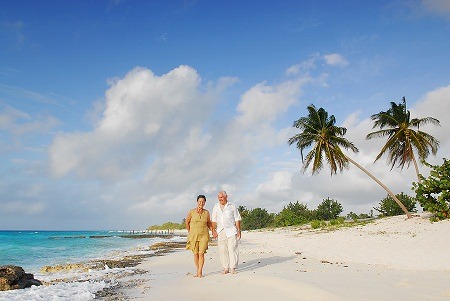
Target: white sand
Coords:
[[389, 259]]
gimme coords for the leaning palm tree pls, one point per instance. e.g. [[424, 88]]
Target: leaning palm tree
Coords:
[[320, 134], [397, 125]]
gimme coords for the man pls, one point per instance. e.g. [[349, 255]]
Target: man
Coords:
[[226, 227]]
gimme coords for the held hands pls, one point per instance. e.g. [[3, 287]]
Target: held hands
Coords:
[[215, 235]]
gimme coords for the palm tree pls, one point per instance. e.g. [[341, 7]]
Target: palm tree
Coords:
[[319, 132], [397, 125]]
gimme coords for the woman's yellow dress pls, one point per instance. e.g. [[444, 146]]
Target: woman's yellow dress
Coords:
[[198, 237]]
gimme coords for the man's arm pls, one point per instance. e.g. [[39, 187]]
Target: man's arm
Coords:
[[238, 227]]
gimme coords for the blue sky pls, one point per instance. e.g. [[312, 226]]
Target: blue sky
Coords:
[[116, 114]]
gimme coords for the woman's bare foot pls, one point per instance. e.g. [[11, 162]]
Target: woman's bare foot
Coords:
[[233, 271], [225, 271]]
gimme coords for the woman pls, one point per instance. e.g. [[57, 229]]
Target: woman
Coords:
[[198, 224]]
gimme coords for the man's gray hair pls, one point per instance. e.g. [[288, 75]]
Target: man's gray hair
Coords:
[[223, 192]]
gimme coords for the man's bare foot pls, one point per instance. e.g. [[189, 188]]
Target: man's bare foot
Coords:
[[233, 271], [225, 271]]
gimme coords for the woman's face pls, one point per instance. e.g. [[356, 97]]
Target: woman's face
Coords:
[[201, 202]]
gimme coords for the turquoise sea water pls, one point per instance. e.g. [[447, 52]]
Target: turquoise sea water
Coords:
[[33, 250]]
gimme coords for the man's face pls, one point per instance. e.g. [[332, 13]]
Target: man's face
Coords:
[[222, 198]]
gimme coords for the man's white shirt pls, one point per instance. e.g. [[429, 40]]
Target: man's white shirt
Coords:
[[226, 218]]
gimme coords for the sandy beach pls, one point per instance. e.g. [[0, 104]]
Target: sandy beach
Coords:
[[387, 259]]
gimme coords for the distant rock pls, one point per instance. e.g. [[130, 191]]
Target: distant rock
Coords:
[[14, 277]]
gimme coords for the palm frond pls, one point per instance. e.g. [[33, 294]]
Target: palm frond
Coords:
[[323, 139], [397, 125]]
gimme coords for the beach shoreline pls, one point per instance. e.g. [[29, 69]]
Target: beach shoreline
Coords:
[[93, 277], [388, 259]]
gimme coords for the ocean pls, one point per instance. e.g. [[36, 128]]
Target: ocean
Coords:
[[74, 251]]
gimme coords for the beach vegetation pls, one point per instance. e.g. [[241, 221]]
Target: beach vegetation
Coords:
[[388, 207], [257, 218], [293, 214], [316, 224], [337, 221], [404, 136], [329, 209], [168, 226], [243, 211], [354, 216], [325, 141], [433, 192]]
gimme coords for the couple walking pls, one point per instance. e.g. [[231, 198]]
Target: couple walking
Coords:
[[225, 225]]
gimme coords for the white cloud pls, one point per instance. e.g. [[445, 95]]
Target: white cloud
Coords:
[[304, 67], [20, 123], [335, 59], [152, 142], [262, 103], [145, 116], [436, 104], [21, 207]]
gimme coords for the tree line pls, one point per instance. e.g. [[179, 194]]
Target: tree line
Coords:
[[298, 213]]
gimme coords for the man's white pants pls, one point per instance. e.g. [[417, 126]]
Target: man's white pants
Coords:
[[228, 250]]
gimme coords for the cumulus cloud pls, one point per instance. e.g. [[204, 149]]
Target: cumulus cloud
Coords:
[[159, 142], [145, 115], [335, 59], [263, 103]]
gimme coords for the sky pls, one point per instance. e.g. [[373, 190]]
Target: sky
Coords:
[[117, 114]]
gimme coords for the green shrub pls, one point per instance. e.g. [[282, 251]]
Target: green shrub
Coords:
[[353, 216], [293, 214], [315, 224], [328, 209], [433, 193], [256, 219], [337, 221], [388, 207]]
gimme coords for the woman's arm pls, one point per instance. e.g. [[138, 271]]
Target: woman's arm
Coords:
[[188, 221], [209, 223]]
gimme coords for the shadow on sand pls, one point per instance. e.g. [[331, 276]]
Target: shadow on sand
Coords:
[[258, 263]]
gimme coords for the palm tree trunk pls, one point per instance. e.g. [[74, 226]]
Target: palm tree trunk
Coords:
[[382, 185], [416, 167]]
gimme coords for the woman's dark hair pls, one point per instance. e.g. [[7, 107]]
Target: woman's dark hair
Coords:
[[201, 196]]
